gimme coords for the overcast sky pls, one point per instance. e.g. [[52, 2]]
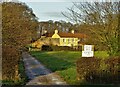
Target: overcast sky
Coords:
[[51, 9]]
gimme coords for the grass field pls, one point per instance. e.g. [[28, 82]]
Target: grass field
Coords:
[[63, 62]]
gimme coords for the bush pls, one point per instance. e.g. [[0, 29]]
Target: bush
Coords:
[[46, 48], [13, 71], [59, 48], [10, 62], [87, 66], [113, 66], [97, 71]]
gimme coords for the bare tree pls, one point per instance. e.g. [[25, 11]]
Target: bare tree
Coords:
[[102, 17]]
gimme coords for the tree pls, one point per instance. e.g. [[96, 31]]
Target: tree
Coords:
[[102, 17], [50, 26], [19, 26]]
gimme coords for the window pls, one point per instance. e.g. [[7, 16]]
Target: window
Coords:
[[63, 40], [72, 39], [68, 40]]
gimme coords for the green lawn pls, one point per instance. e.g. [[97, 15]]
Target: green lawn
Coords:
[[63, 62]]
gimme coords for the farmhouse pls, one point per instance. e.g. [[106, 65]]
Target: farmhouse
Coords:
[[65, 39]]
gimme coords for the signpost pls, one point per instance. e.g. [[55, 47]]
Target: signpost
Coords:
[[88, 51]]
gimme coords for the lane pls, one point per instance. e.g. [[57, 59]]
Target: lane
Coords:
[[38, 73]]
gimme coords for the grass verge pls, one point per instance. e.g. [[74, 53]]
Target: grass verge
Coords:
[[23, 76]]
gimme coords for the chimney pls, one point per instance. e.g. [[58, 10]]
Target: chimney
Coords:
[[45, 31], [56, 31], [72, 31]]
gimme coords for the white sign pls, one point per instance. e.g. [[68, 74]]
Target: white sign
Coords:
[[87, 47], [88, 51]]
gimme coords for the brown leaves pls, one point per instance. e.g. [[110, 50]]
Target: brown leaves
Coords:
[[18, 30]]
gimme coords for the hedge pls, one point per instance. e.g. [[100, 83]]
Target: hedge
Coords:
[[98, 71], [10, 62], [60, 48]]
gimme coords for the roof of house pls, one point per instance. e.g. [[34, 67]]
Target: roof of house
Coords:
[[69, 35]]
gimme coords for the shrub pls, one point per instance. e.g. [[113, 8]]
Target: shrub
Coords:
[[46, 48], [13, 71], [87, 66], [59, 48], [113, 64], [97, 71], [10, 60], [113, 67]]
